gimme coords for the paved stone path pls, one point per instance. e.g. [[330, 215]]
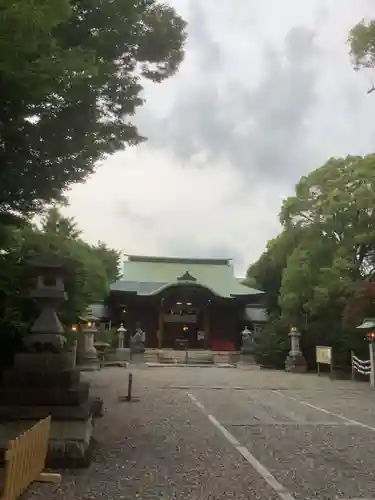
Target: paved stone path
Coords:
[[215, 433]]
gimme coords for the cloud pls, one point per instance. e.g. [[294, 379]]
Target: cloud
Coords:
[[265, 94], [256, 128]]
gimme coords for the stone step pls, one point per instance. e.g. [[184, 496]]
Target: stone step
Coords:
[[37, 396], [27, 378]]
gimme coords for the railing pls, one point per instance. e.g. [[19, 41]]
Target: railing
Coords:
[[24, 461], [360, 366]]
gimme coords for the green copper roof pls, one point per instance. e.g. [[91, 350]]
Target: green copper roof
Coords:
[[151, 275]]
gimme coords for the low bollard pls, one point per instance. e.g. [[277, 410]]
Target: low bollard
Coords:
[[129, 397], [130, 385]]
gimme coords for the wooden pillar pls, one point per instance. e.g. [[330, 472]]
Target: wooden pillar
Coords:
[[206, 323], [161, 327]]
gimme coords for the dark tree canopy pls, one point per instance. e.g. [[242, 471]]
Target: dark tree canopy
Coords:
[[70, 78]]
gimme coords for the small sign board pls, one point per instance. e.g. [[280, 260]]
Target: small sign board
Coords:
[[181, 344], [323, 357]]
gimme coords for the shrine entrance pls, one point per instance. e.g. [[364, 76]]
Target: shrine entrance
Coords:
[[184, 317], [185, 331]]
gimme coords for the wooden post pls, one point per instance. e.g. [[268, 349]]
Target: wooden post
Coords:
[[353, 369], [372, 373], [130, 384], [332, 367], [74, 352], [206, 320], [161, 327], [318, 368]]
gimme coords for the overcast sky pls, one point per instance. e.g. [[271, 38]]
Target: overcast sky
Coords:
[[266, 93]]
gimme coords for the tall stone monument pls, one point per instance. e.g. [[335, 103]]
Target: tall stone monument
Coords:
[[295, 362], [44, 381]]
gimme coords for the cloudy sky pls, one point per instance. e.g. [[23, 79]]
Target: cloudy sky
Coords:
[[266, 93]]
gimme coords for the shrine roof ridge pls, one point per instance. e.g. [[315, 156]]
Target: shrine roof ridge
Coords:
[[179, 260]]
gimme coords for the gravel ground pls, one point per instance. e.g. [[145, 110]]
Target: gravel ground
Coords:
[[168, 446]]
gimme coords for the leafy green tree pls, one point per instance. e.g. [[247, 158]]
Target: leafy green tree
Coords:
[[111, 260], [335, 206], [362, 44], [329, 265], [70, 78], [267, 272], [90, 272], [272, 346], [336, 203], [54, 222], [362, 47]]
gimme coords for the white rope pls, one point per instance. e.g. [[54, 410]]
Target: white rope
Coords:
[[361, 366]]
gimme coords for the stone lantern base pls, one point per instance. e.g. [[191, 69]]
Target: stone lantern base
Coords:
[[42, 384], [295, 363]]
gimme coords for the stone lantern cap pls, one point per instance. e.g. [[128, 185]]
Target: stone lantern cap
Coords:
[[121, 329], [89, 318], [367, 324], [89, 321], [294, 331], [48, 264]]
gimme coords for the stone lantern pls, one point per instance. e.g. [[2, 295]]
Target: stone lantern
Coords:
[[123, 354], [295, 362], [47, 332], [121, 331], [43, 379], [87, 354]]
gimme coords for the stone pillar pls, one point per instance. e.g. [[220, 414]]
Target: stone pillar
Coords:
[[372, 360], [295, 362]]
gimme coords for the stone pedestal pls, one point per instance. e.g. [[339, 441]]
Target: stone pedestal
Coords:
[[295, 362], [137, 358], [116, 357], [87, 354], [42, 384], [138, 342], [123, 354]]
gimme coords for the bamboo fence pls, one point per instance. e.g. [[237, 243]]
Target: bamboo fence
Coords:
[[25, 460]]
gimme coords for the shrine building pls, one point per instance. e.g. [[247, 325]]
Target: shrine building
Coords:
[[195, 302]]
